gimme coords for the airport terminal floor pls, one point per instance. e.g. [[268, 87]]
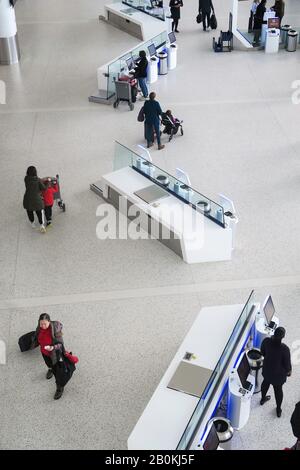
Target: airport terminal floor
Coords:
[[127, 305]]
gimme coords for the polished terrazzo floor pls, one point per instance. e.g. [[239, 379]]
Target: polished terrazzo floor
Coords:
[[127, 305]]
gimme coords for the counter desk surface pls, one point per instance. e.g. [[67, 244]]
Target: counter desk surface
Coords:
[[210, 242], [168, 412]]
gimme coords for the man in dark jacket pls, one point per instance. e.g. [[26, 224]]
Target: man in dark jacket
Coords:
[[258, 21], [295, 422], [152, 111], [205, 7], [276, 367], [141, 73]]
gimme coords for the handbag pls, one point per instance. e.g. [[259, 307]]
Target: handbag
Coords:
[[141, 116], [27, 341], [71, 357], [213, 21], [199, 18]]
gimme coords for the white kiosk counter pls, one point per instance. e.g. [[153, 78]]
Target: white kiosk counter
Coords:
[[168, 412], [133, 21], [188, 232]]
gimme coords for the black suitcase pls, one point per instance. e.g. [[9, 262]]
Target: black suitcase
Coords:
[[26, 342]]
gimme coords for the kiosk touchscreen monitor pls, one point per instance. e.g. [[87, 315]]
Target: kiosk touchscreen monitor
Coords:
[[152, 50], [212, 440], [172, 37], [269, 311], [243, 371], [130, 63]]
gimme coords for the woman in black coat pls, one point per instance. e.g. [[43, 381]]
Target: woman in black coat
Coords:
[[33, 201], [258, 21], [175, 6], [276, 367]]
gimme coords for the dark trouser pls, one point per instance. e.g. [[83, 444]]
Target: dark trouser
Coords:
[[277, 390], [149, 132], [39, 216], [48, 213], [50, 365], [175, 24], [143, 84], [205, 18], [257, 34]]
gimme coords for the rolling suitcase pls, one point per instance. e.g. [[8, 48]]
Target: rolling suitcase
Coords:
[[26, 342]]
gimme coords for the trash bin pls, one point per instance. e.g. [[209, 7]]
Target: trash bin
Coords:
[[292, 39], [172, 56], [163, 63], [283, 33], [256, 359], [152, 70], [224, 431]]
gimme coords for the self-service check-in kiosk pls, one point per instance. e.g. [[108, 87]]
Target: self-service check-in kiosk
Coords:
[[241, 386]]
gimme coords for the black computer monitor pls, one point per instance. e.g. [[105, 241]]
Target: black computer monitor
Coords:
[[130, 63], [243, 371], [172, 37], [268, 309], [152, 50], [212, 440]]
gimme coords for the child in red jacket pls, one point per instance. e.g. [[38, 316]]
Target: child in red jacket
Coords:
[[48, 196]]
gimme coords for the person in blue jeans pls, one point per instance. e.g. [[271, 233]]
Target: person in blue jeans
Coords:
[[152, 111], [141, 73]]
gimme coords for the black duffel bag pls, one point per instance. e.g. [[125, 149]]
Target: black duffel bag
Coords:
[[63, 371], [27, 341], [213, 21]]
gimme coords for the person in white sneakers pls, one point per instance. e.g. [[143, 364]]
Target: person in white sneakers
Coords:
[[33, 201]]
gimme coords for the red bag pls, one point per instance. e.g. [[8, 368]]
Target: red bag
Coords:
[[69, 355]]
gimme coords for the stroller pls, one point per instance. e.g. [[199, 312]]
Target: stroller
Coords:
[[172, 125]]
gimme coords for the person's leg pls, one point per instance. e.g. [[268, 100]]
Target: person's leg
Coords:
[[49, 364], [264, 389], [157, 132], [205, 17], [173, 24], [48, 214], [176, 25], [142, 83], [42, 221], [278, 397], [30, 216], [149, 134]]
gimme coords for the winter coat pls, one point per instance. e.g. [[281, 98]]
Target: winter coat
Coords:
[[205, 6], [277, 361], [295, 420], [57, 340], [175, 11], [33, 200], [259, 17], [141, 68], [48, 195]]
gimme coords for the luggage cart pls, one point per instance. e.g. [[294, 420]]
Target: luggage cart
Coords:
[[57, 194], [123, 93]]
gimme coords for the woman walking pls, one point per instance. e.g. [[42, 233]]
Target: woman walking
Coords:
[[49, 336], [33, 201], [175, 6], [276, 367]]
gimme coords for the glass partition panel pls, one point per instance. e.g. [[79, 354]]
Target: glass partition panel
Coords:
[[218, 373], [153, 8], [185, 193]]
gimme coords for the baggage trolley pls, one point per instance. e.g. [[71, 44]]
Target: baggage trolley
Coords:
[[57, 194], [123, 93]]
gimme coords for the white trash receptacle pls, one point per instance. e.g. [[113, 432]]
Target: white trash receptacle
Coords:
[[152, 70], [172, 56]]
